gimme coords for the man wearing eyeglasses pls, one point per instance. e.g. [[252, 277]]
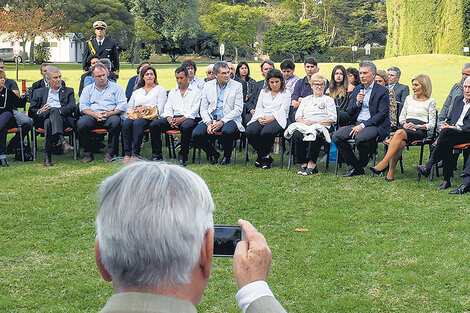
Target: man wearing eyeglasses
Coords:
[[457, 90], [221, 109]]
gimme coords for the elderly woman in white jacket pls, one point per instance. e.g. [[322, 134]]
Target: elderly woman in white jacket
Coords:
[[270, 118], [313, 119]]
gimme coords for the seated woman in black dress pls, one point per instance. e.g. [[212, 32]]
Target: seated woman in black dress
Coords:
[[8, 101], [339, 92], [270, 118], [417, 118], [314, 116]]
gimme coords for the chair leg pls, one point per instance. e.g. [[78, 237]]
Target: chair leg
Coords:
[[327, 148], [290, 155], [21, 144], [246, 150], [282, 148], [34, 144]]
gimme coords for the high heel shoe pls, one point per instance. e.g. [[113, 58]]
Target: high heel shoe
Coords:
[[388, 179], [377, 172]]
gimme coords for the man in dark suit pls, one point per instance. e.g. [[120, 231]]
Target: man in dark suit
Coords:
[[42, 82], [369, 108], [101, 46], [456, 130], [156, 245], [401, 91], [52, 108], [250, 105], [465, 187]]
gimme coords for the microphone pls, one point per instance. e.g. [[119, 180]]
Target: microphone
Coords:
[[361, 91]]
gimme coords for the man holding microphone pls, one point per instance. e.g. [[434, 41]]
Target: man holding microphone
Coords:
[[369, 110]]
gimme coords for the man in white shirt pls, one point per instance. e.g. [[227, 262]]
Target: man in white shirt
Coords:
[[156, 244], [181, 113], [190, 65], [456, 130]]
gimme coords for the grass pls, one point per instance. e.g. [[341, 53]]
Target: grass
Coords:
[[370, 246]]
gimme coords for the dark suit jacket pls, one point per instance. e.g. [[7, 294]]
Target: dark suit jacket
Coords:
[[457, 108], [39, 84], [379, 108], [107, 50], [66, 97], [251, 104], [401, 92]]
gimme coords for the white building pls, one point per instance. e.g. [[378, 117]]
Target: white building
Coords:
[[67, 49]]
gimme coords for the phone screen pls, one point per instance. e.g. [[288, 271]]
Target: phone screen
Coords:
[[226, 238]]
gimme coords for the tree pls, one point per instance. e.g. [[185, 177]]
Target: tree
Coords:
[[27, 19], [295, 40], [426, 26], [174, 20], [82, 14], [238, 25]]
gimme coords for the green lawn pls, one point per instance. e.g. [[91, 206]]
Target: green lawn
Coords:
[[370, 246]]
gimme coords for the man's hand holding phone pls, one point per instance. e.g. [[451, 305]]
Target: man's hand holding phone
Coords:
[[252, 258]]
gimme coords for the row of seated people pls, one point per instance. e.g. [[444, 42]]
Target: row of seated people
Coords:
[[220, 104]]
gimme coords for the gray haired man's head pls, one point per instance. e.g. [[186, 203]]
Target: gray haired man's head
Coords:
[[151, 224], [370, 65], [50, 71], [220, 64]]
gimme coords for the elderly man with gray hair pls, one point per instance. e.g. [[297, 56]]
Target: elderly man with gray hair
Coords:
[[457, 90], [156, 244], [400, 91], [52, 108], [369, 111]]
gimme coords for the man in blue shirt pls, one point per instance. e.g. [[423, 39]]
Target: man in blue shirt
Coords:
[[369, 108], [101, 104]]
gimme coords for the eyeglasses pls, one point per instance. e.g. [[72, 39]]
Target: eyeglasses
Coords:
[[463, 74]]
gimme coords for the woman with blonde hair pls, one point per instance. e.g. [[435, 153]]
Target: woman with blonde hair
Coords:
[[417, 119]]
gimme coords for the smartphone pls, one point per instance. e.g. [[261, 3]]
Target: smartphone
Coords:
[[226, 238], [23, 85]]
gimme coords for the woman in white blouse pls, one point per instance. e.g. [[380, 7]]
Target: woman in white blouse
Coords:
[[147, 95], [319, 110], [417, 118], [270, 118]]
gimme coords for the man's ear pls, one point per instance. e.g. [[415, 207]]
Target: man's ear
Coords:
[[207, 249], [104, 273]]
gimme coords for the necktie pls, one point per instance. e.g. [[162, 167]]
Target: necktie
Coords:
[[99, 43]]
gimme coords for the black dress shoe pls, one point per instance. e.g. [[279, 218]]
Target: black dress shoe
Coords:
[[422, 169], [225, 161], [353, 172], [182, 162], [157, 157], [378, 172], [444, 185], [463, 175], [48, 161], [461, 190], [3, 163], [214, 159]]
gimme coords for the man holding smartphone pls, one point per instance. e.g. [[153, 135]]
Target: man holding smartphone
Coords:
[[156, 245]]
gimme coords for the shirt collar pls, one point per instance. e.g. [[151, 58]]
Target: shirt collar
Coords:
[[50, 89]]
